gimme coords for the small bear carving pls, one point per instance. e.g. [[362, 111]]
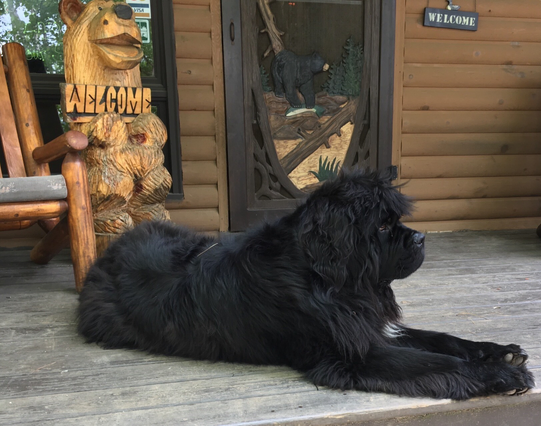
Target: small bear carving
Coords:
[[291, 72]]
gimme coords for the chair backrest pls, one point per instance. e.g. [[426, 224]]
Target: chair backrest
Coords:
[[20, 130]]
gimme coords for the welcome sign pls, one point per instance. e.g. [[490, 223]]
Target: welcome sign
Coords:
[[443, 18], [81, 102]]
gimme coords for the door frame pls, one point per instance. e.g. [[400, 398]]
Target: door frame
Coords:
[[241, 214]]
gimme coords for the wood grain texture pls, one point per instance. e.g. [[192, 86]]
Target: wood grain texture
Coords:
[[80, 220], [190, 71], [219, 113], [191, 20], [50, 245], [193, 45], [478, 208], [470, 111], [482, 187], [32, 210], [198, 219], [71, 141], [8, 133], [196, 197], [470, 144], [485, 8], [471, 99], [471, 122], [197, 123], [15, 226], [198, 148], [200, 172], [471, 52], [462, 75], [196, 98], [477, 285], [471, 166], [24, 107], [529, 223], [398, 83], [192, 2], [490, 29]]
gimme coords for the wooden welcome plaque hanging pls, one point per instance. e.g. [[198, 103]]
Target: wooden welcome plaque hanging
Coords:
[[82, 102]]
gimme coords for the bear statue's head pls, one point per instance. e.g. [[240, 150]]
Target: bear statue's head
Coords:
[[102, 43], [317, 63]]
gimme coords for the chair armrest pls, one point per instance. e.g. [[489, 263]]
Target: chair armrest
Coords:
[[71, 141]]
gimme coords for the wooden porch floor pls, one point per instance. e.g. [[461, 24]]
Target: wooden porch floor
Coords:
[[477, 285]]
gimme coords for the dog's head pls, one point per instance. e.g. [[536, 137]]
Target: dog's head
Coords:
[[350, 230]]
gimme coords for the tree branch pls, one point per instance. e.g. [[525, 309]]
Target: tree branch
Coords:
[[270, 22], [307, 147]]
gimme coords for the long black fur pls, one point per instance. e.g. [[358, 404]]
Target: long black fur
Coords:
[[311, 291]]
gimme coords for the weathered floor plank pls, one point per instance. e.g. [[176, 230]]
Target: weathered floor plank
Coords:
[[478, 285]]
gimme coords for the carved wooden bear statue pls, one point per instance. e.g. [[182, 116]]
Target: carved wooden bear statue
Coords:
[[129, 184], [291, 72]]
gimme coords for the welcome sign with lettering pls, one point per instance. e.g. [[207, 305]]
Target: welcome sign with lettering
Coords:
[[443, 18], [82, 102]]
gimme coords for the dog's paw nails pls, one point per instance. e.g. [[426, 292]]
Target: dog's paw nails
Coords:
[[522, 391], [508, 358], [517, 392]]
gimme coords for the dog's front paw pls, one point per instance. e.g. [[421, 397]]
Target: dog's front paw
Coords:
[[509, 380], [516, 356], [510, 354]]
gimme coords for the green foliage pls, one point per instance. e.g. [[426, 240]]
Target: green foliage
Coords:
[[65, 126], [147, 63], [265, 81], [345, 76], [36, 24], [326, 170], [334, 84]]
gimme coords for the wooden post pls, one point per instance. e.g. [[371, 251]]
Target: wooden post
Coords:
[[24, 106], [81, 228], [104, 98]]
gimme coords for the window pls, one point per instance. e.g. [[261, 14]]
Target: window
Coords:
[[36, 24]]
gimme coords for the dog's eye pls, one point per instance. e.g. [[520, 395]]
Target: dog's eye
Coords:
[[387, 225]]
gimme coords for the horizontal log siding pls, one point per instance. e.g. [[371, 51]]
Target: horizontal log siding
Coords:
[[200, 92], [470, 124]]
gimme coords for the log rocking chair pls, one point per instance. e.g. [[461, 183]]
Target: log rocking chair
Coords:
[[59, 203]]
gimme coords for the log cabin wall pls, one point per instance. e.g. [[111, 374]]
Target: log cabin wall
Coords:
[[202, 116], [467, 116]]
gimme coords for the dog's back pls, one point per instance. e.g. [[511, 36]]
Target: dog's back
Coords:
[[128, 291]]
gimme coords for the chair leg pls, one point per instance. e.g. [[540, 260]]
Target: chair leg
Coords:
[[48, 224], [81, 225], [51, 244]]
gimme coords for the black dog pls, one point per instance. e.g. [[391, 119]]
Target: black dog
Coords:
[[311, 291]]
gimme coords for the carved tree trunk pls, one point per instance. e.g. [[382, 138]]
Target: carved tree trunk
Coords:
[[277, 45]]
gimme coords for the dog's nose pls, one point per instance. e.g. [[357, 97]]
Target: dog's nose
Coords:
[[123, 11], [418, 238]]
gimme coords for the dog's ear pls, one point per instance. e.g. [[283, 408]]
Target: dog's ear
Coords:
[[327, 237]]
